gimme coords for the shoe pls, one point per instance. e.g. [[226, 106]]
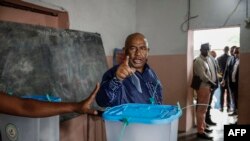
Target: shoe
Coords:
[[210, 122], [207, 126], [208, 130], [229, 110], [204, 136], [233, 114], [221, 110]]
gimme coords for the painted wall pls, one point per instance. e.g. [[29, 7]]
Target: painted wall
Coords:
[[213, 13], [160, 21], [244, 39], [113, 19], [21, 16], [244, 86]]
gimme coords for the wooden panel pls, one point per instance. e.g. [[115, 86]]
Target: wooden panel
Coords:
[[23, 12]]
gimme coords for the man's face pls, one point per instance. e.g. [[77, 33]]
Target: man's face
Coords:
[[137, 51], [232, 51], [213, 53], [237, 52], [204, 51]]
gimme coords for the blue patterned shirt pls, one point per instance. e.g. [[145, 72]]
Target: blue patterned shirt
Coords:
[[115, 92]]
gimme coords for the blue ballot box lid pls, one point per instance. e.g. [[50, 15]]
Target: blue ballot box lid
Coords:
[[44, 98], [143, 113]]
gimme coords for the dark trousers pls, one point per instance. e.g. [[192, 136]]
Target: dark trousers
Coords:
[[235, 94]]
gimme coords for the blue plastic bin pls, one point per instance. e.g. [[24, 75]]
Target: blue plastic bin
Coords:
[[142, 122], [16, 128]]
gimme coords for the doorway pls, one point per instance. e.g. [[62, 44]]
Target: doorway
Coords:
[[218, 39]]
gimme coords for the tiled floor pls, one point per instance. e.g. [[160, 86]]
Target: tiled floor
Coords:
[[221, 118]]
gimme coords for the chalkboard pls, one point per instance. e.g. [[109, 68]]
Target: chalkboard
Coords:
[[37, 60]]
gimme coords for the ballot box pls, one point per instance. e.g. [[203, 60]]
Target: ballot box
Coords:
[[142, 122], [16, 128]]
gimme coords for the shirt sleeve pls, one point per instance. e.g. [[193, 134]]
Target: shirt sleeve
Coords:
[[159, 94], [110, 90]]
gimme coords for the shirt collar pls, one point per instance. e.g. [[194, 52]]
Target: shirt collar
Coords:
[[145, 69]]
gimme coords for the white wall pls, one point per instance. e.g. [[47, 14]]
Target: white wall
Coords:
[[113, 19], [160, 21], [213, 14]]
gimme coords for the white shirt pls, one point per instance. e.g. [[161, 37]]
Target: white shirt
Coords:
[[212, 68]]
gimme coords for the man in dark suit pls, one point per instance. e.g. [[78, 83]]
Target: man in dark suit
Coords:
[[222, 61], [231, 77]]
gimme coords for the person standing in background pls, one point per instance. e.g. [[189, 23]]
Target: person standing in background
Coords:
[[214, 55], [213, 66], [216, 93], [222, 61], [226, 79], [231, 75], [235, 80], [202, 69], [132, 81]]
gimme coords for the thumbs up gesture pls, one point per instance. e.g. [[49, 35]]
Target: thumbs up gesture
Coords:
[[124, 70]]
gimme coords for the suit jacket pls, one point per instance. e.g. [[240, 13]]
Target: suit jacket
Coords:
[[229, 70], [222, 61], [201, 70]]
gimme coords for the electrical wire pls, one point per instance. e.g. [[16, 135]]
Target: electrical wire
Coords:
[[232, 13], [195, 105], [246, 8], [182, 25], [189, 7], [188, 19]]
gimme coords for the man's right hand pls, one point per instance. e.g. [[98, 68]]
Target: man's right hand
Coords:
[[85, 105], [124, 70], [212, 85]]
